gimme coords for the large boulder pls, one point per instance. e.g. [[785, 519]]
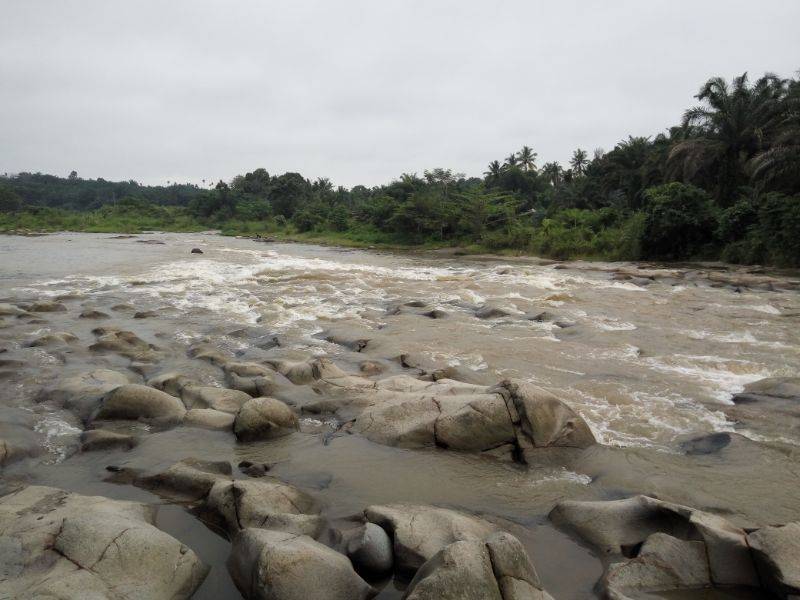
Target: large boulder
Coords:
[[664, 563], [275, 565], [619, 528], [407, 412], [80, 394], [61, 545], [264, 503], [419, 531], [140, 402], [498, 569], [264, 419], [777, 555], [460, 571], [542, 419]]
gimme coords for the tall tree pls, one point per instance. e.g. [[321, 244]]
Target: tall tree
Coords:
[[579, 161], [727, 130], [527, 158], [511, 160], [554, 173], [494, 170]]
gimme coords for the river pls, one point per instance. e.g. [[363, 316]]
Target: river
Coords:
[[650, 356]]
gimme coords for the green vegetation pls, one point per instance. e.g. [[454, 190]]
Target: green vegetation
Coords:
[[725, 183]]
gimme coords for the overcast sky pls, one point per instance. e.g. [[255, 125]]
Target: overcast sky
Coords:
[[357, 91]]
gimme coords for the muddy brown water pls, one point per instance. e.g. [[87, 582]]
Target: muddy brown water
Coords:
[[649, 356]]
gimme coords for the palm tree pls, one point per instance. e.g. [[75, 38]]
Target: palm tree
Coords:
[[494, 170], [511, 160], [726, 131], [780, 162], [553, 171], [579, 162], [527, 158]]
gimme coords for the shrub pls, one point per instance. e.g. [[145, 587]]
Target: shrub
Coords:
[[680, 222]]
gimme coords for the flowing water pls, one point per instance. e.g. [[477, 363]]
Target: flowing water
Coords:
[[649, 357]]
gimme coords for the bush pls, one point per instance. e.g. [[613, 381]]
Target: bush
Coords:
[[680, 222]]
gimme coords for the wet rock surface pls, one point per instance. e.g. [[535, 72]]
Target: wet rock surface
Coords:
[[62, 545]]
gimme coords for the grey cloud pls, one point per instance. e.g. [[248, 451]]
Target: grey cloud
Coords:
[[357, 91]]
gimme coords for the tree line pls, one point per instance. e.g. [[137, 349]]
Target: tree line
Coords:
[[723, 183]]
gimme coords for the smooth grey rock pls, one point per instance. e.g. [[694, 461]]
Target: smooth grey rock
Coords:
[[460, 571], [617, 526], [222, 399], [264, 419], [82, 393], [264, 503], [274, 565], [543, 419], [208, 418], [419, 531], [189, 478], [140, 402], [67, 546], [777, 556], [369, 548]]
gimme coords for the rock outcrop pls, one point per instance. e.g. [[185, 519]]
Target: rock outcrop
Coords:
[[495, 569], [61, 545], [274, 565], [659, 546]]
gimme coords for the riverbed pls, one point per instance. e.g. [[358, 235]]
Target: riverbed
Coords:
[[651, 356]]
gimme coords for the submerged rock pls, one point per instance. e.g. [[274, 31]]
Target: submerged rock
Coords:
[[62, 545], [491, 311], [274, 565], [189, 478], [101, 439], [124, 343], [93, 314], [58, 338]]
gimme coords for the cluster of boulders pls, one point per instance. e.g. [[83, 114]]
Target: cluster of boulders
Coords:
[[656, 546], [279, 549], [508, 419]]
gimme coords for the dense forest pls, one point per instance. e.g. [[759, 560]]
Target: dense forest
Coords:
[[722, 184]]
